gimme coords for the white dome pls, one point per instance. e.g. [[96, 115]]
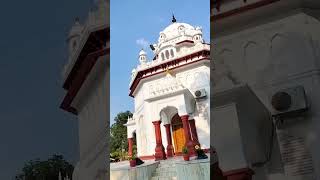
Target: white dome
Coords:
[[177, 29], [174, 27]]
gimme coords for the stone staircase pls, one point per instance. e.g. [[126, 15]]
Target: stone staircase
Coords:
[[166, 170]]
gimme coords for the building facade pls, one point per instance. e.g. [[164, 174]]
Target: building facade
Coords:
[[268, 52], [171, 94], [85, 78]]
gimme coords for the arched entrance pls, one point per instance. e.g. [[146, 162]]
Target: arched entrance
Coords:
[[178, 131], [178, 135]]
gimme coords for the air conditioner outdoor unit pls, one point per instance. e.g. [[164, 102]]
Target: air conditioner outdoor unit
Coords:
[[289, 102], [201, 93]]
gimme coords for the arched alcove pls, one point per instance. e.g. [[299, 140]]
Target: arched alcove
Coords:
[[167, 113]]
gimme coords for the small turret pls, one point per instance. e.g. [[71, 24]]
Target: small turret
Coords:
[[142, 57], [197, 38], [133, 72], [74, 36]]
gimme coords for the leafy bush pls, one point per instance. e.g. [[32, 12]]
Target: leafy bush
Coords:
[[119, 155], [133, 157]]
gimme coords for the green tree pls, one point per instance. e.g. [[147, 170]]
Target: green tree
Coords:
[[48, 170], [118, 132]]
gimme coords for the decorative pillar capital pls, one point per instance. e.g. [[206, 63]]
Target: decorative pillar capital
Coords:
[[191, 117], [184, 117], [156, 122]]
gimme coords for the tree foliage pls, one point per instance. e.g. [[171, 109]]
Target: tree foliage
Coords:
[[118, 136], [48, 170]]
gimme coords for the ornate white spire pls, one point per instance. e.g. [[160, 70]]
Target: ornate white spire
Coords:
[[75, 29], [142, 57]]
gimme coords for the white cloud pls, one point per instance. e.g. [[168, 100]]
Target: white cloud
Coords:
[[142, 42]]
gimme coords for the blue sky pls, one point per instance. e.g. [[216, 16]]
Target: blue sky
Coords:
[[135, 24]]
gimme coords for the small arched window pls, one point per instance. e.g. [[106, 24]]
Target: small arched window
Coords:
[[162, 36], [162, 56], [171, 53], [74, 44], [167, 54]]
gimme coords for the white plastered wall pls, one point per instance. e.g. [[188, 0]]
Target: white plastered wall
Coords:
[[276, 55]]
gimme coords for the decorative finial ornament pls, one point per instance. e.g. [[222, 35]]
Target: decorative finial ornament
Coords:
[[168, 72], [173, 19]]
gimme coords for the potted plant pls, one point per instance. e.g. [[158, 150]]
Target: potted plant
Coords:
[[133, 161], [185, 152], [200, 152]]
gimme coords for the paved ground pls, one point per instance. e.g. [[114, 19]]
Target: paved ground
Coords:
[[126, 164], [177, 159]]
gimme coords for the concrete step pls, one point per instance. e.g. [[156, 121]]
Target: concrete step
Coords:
[[172, 166], [166, 174], [165, 169], [167, 165], [163, 178], [165, 162]]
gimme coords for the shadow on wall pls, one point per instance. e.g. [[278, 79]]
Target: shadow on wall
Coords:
[[216, 173]]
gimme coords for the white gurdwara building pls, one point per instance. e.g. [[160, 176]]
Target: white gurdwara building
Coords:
[[171, 95], [85, 78]]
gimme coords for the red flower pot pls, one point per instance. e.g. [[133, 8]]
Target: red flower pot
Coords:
[[186, 157], [133, 163]]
